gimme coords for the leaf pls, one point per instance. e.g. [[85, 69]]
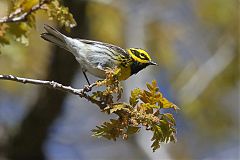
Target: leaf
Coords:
[[149, 86], [145, 96], [149, 106], [3, 39], [169, 117], [132, 130], [27, 5], [135, 96], [157, 137], [154, 84], [153, 87], [152, 95], [155, 145], [175, 107], [110, 130], [116, 107], [164, 103], [61, 14]]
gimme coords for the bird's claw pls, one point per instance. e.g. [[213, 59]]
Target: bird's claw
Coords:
[[87, 88]]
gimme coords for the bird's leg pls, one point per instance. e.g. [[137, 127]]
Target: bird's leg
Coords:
[[84, 73]]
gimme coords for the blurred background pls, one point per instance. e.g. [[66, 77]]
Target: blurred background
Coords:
[[195, 43]]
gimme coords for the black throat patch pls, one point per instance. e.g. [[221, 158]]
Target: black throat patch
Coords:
[[136, 67]]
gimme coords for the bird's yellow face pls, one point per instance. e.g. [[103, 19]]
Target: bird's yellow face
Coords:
[[141, 56], [140, 60]]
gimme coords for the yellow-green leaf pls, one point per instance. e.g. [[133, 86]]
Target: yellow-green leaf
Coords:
[[170, 117], [132, 130]]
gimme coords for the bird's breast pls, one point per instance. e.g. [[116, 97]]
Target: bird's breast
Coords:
[[125, 73]]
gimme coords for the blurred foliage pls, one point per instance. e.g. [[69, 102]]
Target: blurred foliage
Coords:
[[21, 18], [107, 26], [3, 39], [159, 40], [216, 117], [220, 13], [145, 108], [217, 120]]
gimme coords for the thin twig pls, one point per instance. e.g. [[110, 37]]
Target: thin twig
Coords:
[[15, 17], [55, 85]]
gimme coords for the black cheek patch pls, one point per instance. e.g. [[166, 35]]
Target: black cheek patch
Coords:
[[145, 57], [134, 52]]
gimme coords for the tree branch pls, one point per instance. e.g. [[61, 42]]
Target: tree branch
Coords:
[[58, 86], [15, 17]]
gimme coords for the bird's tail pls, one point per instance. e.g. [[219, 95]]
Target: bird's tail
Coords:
[[55, 37]]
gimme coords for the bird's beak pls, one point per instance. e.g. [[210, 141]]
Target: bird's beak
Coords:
[[152, 63]]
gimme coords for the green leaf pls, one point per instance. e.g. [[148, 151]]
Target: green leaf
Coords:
[[150, 87], [170, 117], [135, 96], [3, 38], [61, 14], [153, 87], [154, 84], [157, 137], [116, 107], [164, 103], [132, 130], [110, 130], [149, 106]]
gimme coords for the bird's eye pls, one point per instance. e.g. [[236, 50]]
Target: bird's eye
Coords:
[[142, 56], [134, 52]]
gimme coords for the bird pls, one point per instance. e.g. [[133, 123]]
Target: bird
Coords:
[[96, 57]]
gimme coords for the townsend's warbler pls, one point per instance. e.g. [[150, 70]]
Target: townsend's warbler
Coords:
[[95, 57]]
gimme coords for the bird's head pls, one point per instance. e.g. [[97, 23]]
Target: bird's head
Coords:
[[141, 56], [141, 59]]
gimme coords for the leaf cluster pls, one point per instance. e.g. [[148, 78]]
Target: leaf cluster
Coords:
[[61, 14], [21, 19], [144, 110]]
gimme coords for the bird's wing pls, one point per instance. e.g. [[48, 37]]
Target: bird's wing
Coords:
[[113, 47]]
